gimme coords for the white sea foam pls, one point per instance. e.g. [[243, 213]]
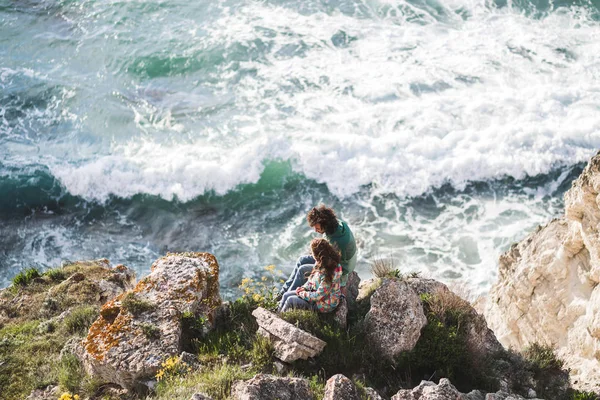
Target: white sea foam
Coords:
[[405, 106]]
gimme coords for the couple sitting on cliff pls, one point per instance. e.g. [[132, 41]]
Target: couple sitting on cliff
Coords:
[[318, 281]]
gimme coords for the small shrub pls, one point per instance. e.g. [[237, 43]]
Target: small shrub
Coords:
[[134, 305], [23, 278], [542, 357], [385, 268], [70, 373], [150, 331], [80, 319]]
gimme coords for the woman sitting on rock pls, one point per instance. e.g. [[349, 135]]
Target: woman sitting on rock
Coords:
[[322, 291]]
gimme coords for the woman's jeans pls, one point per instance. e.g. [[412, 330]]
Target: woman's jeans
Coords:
[[299, 275], [291, 301]]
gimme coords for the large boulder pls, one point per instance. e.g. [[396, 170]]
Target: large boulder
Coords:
[[340, 387], [139, 329], [290, 342], [548, 285], [269, 387], [396, 317]]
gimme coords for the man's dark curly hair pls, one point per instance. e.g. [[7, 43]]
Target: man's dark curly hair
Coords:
[[323, 216]]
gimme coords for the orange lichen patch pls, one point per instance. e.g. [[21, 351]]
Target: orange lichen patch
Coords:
[[120, 268], [105, 334], [144, 285]]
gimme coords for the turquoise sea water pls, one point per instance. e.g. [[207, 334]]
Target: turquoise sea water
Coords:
[[441, 131]]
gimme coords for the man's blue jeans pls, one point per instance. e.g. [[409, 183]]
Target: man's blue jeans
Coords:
[[299, 275]]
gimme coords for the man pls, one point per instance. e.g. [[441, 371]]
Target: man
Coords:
[[323, 220]]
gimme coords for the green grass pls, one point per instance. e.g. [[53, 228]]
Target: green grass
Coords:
[[70, 373], [56, 274], [215, 381], [80, 319]]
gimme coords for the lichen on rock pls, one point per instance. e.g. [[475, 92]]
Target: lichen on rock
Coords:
[[118, 348]]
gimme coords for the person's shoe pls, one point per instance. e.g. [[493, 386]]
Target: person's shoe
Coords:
[[278, 296]]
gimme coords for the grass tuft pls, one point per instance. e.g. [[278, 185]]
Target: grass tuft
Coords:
[[80, 319], [56, 274], [70, 373]]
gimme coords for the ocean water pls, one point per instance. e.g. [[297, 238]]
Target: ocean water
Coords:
[[442, 131]]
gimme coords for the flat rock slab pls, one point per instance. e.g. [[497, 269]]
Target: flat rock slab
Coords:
[[290, 342], [130, 340]]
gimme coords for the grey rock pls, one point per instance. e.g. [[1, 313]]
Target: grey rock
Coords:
[[269, 387], [290, 343], [340, 387], [372, 394], [352, 285], [475, 395], [49, 393], [116, 348], [341, 314], [395, 319]]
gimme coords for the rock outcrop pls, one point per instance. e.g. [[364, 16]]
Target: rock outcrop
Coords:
[[395, 319], [138, 330], [340, 387], [548, 286], [269, 387], [290, 342]]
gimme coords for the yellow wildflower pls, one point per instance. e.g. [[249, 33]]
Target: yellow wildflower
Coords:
[[160, 374], [270, 268]]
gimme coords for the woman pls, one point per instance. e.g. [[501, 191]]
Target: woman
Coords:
[[337, 232], [322, 291]]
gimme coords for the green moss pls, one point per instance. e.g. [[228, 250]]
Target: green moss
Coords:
[[134, 305], [80, 319]]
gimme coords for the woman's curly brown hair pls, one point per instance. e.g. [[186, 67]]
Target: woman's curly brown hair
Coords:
[[327, 256], [323, 216]]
